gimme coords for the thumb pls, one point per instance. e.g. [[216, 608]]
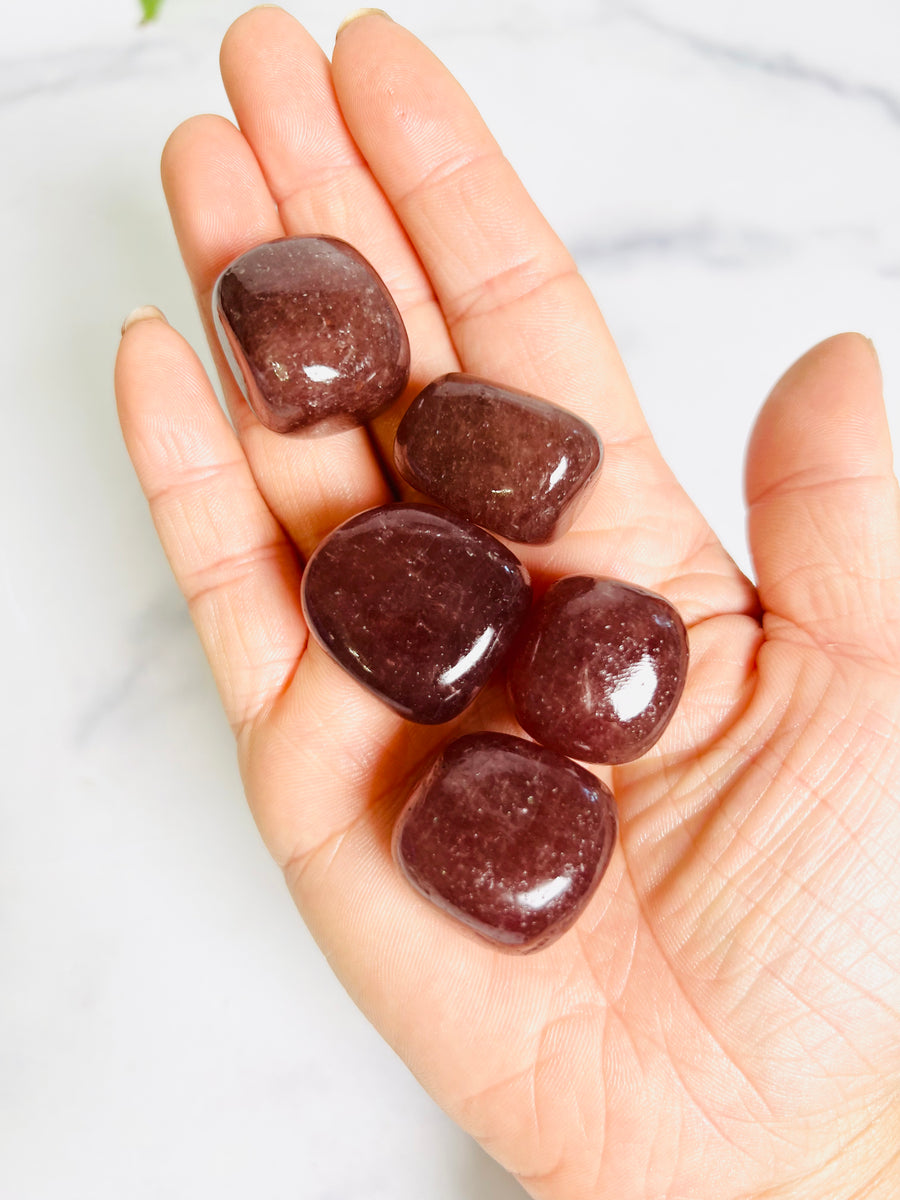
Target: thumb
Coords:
[[824, 512]]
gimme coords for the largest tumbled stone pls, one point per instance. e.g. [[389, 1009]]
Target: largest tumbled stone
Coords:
[[418, 604], [313, 332]]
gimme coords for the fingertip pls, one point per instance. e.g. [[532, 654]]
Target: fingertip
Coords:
[[824, 506], [842, 351], [259, 14], [358, 14], [145, 312], [158, 376], [370, 46], [259, 36], [840, 359], [825, 414], [185, 139], [145, 350]]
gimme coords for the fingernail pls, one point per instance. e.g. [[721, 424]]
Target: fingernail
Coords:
[[875, 356], [147, 312], [361, 12]]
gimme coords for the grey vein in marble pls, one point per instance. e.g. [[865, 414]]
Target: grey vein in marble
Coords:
[[783, 66], [726, 247], [702, 241], [162, 624]]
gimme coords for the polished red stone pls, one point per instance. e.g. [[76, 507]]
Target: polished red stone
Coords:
[[506, 460], [508, 837], [418, 604], [600, 669], [313, 332]]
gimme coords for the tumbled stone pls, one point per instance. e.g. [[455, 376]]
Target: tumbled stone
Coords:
[[508, 837], [418, 604], [600, 669], [515, 464], [313, 332]]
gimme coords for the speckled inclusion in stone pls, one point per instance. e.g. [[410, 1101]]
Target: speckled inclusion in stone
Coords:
[[418, 604], [508, 837], [313, 332], [600, 670], [505, 459]]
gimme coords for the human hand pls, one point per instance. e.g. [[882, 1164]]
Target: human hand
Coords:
[[723, 1020]]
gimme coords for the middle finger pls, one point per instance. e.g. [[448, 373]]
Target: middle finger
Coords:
[[519, 311]]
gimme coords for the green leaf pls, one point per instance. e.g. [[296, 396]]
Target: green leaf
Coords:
[[150, 9]]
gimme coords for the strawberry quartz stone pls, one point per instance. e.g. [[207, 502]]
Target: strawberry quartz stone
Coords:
[[507, 460], [509, 838], [600, 669], [417, 604], [313, 332]]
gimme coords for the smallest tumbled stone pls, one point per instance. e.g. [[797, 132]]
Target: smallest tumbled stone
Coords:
[[600, 669], [508, 838], [505, 459]]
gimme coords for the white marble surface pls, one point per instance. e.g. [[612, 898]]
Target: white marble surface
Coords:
[[728, 178]]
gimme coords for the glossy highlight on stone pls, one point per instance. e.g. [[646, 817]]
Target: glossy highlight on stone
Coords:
[[418, 604], [508, 837], [509, 461], [600, 669], [313, 332]]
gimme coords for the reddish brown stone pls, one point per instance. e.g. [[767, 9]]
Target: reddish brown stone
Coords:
[[508, 837], [515, 464], [418, 604], [313, 332], [600, 669]]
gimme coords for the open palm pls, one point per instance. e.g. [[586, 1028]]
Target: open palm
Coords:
[[723, 1020]]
